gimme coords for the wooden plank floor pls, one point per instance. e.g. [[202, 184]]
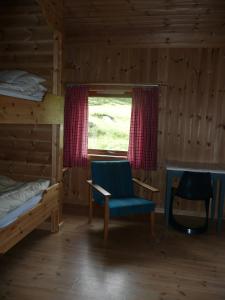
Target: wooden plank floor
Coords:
[[75, 264]]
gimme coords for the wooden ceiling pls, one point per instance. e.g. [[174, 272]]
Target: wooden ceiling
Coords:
[[146, 22]]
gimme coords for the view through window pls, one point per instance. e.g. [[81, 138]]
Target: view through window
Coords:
[[109, 123]]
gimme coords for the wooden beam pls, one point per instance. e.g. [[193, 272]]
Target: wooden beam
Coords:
[[53, 13], [57, 63]]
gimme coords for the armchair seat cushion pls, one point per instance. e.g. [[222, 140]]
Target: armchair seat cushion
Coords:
[[119, 207]]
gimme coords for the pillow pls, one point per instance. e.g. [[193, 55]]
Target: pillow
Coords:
[[6, 181], [14, 87], [22, 87], [42, 88], [10, 76], [38, 94], [30, 78], [34, 89]]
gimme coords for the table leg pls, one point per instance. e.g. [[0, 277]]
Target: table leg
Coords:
[[221, 203], [169, 179], [213, 204]]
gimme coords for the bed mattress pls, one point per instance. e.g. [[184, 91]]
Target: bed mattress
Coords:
[[14, 214], [17, 197]]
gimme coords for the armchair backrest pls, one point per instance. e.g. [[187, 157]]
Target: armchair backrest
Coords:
[[113, 176]]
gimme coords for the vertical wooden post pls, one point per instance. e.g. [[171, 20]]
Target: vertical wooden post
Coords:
[[54, 153], [55, 221], [57, 63], [60, 153], [57, 155], [56, 163]]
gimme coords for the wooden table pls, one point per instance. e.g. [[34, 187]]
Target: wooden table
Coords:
[[217, 171]]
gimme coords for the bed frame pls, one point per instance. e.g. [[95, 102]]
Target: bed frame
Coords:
[[48, 207]]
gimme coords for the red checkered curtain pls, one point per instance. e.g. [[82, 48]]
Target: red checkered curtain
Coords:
[[76, 127], [142, 151]]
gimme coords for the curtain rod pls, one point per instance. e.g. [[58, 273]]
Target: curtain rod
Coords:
[[115, 84]]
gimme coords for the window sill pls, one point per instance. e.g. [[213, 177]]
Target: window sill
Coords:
[[106, 157]]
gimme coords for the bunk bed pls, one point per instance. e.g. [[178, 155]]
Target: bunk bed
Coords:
[[29, 152], [31, 121], [31, 115], [19, 222]]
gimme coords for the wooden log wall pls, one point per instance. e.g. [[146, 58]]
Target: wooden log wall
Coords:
[[31, 137], [191, 109], [26, 41], [30, 151]]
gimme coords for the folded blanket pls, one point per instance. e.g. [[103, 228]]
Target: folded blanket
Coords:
[[12, 196]]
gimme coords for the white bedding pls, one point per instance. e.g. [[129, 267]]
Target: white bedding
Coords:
[[21, 84], [14, 214], [35, 97], [14, 194]]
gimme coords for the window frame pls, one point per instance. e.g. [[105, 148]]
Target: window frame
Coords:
[[108, 153], [113, 153]]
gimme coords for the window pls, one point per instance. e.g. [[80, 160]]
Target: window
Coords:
[[109, 124]]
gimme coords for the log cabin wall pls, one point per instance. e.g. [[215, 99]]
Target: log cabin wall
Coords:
[[31, 137], [180, 46], [30, 151], [192, 101], [26, 41]]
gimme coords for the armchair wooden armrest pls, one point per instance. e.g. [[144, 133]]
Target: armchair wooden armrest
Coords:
[[64, 170], [99, 189], [145, 185]]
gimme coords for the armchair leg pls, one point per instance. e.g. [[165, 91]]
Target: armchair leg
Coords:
[[106, 221], [106, 229], [90, 211], [90, 207], [152, 223]]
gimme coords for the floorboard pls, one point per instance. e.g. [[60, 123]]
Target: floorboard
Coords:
[[76, 264]]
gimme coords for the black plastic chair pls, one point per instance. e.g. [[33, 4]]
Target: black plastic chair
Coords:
[[193, 186]]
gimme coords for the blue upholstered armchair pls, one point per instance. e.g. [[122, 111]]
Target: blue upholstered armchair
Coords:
[[112, 188]]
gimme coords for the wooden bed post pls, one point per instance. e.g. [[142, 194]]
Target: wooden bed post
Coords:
[[56, 163], [55, 220]]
